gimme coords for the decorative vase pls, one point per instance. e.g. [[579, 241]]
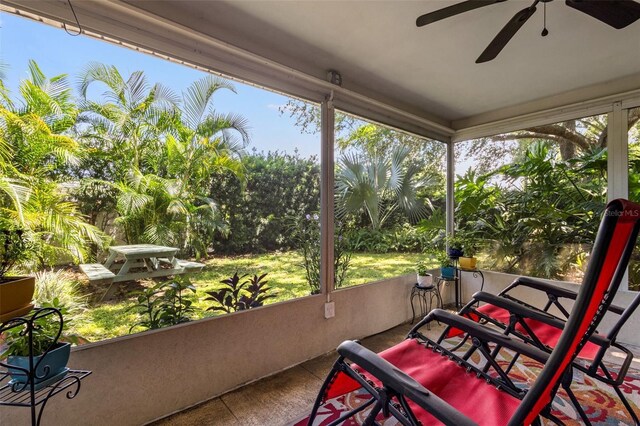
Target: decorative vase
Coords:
[[425, 280], [468, 262], [50, 367], [448, 272], [15, 297]]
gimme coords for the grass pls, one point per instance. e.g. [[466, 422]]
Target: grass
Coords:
[[285, 276]]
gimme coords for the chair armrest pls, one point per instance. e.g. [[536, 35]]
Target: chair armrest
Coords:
[[517, 308], [525, 312], [542, 286], [551, 289], [403, 384], [485, 334]]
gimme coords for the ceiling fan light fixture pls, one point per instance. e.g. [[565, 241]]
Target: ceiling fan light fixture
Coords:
[[616, 13]]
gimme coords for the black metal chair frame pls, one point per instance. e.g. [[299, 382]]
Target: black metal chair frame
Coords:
[[520, 311], [391, 399], [579, 328]]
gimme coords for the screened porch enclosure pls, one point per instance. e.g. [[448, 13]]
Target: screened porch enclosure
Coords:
[[419, 82]]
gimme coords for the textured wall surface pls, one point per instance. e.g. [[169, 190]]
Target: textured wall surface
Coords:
[[145, 376]]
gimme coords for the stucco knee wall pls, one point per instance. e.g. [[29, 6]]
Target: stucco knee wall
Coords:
[[145, 376]]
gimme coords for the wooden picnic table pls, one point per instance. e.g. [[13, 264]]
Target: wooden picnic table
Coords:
[[146, 256], [148, 261]]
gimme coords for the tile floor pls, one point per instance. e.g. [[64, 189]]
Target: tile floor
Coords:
[[278, 399], [288, 395]]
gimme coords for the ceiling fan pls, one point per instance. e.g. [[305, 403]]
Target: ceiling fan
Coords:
[[616, 13]]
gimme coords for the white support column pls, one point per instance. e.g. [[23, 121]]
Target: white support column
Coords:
[[327, 178], [618, 161], [451, 176], [618, 154]]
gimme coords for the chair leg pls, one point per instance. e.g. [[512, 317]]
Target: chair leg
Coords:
[[512, 363], [626, 404], [371, 418], [335, 370], [555, 420], [576, 403], [351, 413], [624, 400]]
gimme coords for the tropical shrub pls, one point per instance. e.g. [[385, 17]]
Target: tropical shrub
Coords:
[[379, 185], [156, 154], [240, 296], [127, 120], [35, 154], [14, 249], [306, 232], [164, 304], [542, 218], [59, 285], [401, 238], [276, 187]]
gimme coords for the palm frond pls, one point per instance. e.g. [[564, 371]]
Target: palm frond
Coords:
[[35, 73], [17, 192], [199, 95], [137, 90], [228, 125], [98, 72]]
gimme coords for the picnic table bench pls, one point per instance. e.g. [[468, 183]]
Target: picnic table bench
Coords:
[[140, 261]]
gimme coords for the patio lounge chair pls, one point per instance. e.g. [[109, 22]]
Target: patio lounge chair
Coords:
[[539, 327], [419, 381]]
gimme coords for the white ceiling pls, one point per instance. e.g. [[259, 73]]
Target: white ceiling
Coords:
[[377, 48], [412, 73]]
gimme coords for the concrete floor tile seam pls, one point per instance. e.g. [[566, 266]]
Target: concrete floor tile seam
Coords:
[[229, 409], [279, 383]]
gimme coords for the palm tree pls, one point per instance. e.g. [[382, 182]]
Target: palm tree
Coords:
[[171, 205], [130, 120], [35, 150], [379, 185]]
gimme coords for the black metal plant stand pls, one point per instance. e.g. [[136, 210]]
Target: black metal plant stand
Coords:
[[424, 295], [457, 279], [17, 394]]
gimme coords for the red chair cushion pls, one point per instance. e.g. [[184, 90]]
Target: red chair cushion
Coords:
[[474, 397], [547, 334]]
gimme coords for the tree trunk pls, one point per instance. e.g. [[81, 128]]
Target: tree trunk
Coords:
[[568, 148]]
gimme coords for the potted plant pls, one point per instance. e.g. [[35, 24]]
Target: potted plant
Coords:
[[425, 279], [15, 292], [50, 356], [470, 248], [447, 270], [455, 245]]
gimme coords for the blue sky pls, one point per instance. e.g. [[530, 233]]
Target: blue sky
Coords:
[[56, 52]]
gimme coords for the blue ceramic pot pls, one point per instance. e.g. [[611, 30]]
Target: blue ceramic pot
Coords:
[[56, 360], [448, 272]]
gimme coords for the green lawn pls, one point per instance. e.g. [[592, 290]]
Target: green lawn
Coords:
[[285, 276]]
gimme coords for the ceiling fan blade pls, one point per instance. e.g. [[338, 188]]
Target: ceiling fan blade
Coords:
[[453, 10], [505, 34], [617, 13]]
